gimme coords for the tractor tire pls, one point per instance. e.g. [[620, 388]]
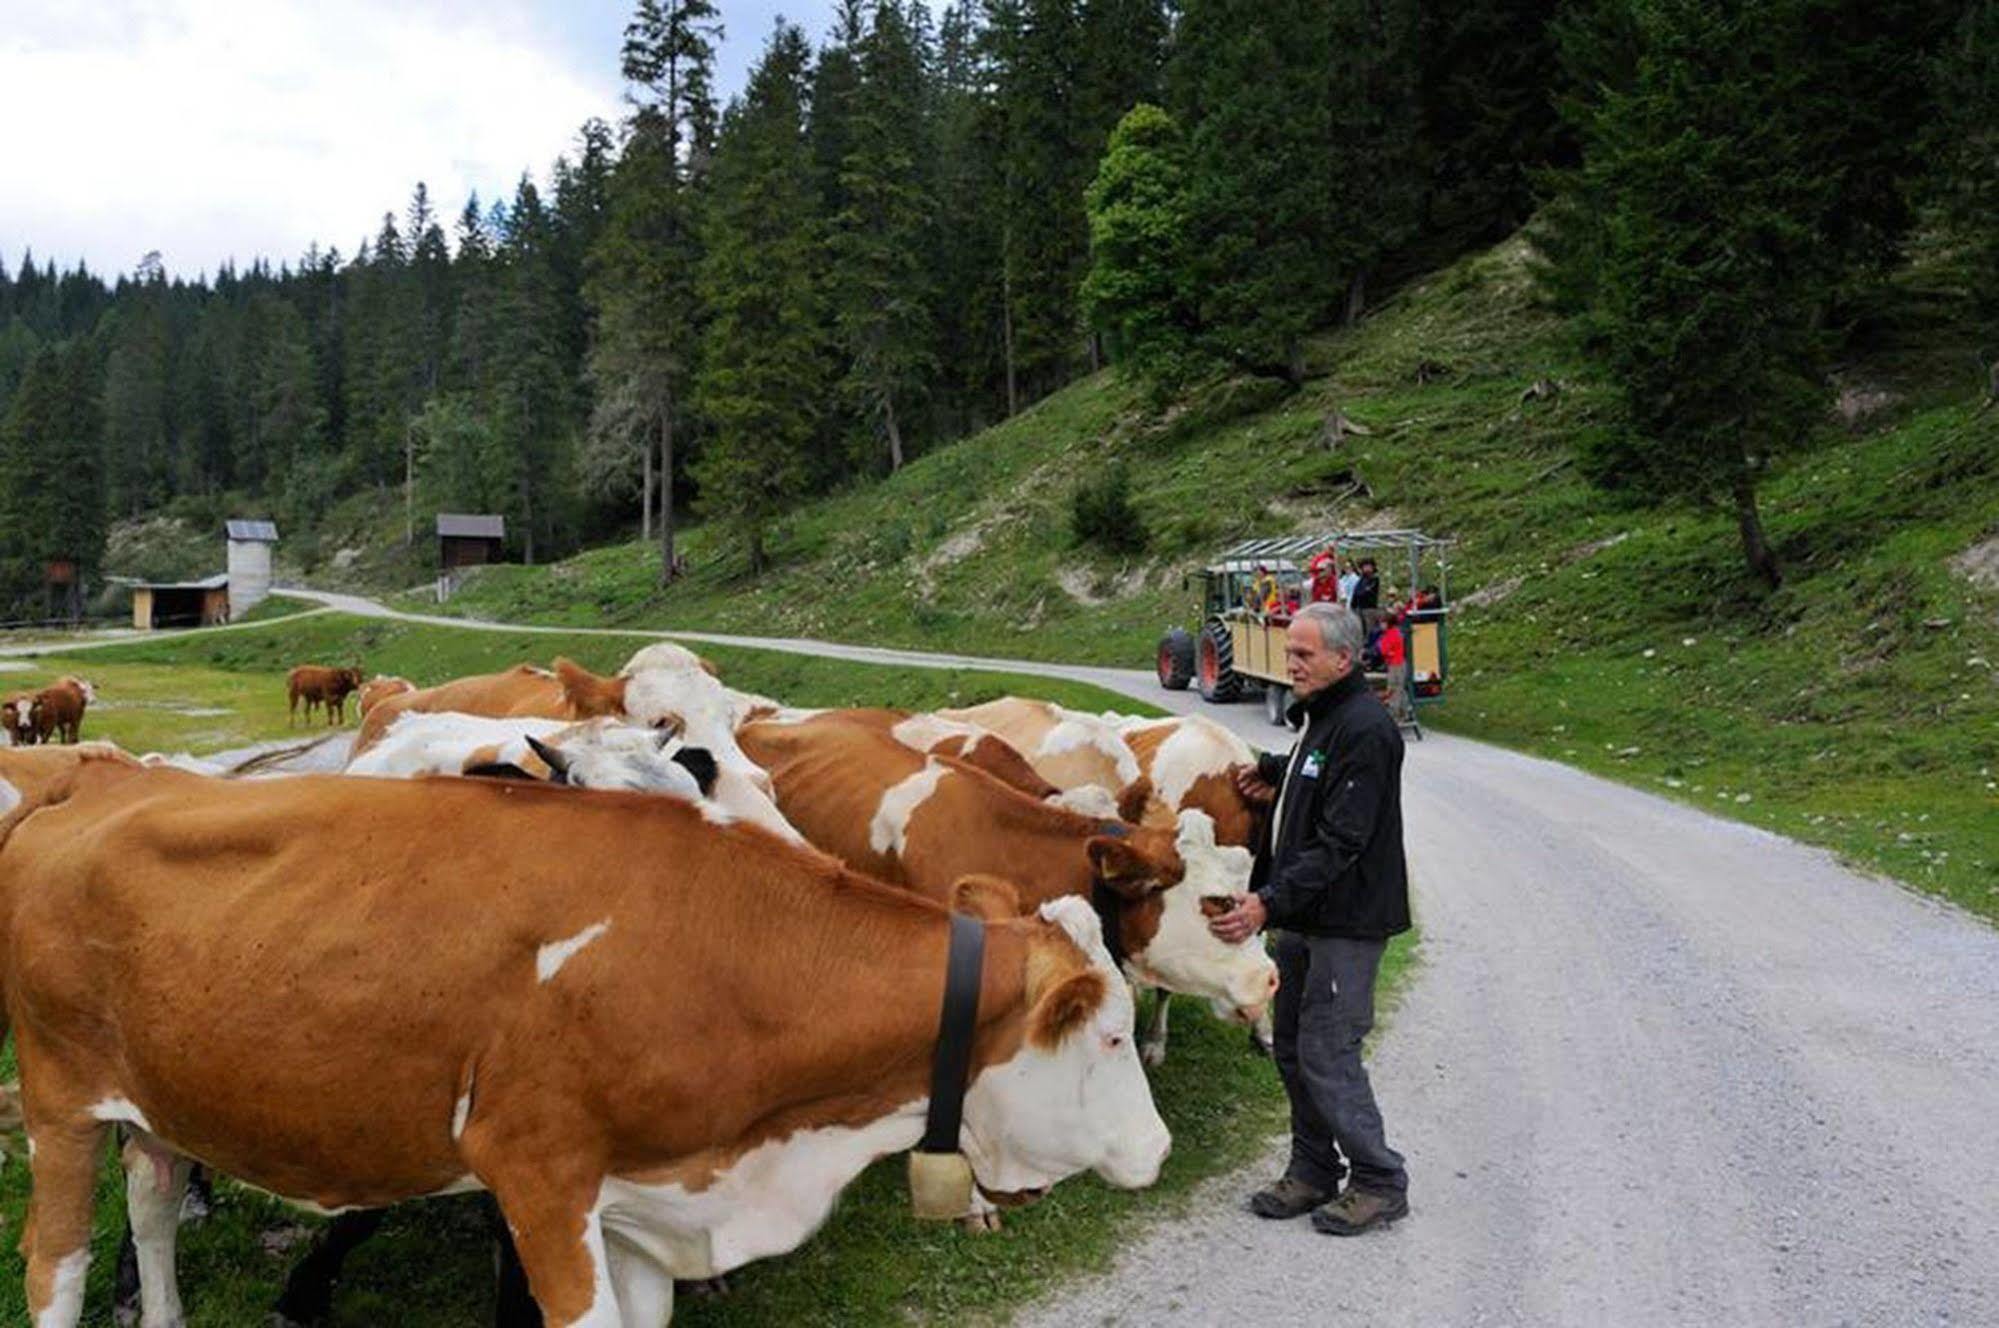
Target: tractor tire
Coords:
[[1276, 700], [1219, 681], [1176, 659]]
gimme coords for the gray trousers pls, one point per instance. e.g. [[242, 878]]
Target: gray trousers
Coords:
[[1325, 1007]]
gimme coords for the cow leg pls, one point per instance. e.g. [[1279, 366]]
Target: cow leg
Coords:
[[1152, 1042], [307, 1297], [560, 1240], [154, 1183], [1263, 1033], [644, 1289], [513, 1305], [984, 1216], [56, 1241]]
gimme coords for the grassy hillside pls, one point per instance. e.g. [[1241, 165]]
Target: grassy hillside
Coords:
[[1858, 707]]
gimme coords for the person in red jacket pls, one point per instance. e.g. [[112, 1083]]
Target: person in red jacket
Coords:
[[1394, 647]]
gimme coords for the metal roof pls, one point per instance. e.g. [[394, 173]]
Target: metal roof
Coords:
[[261, 531], [464, 526], [1299, 546], [220, 581]]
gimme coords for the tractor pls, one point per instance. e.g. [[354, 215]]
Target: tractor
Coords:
[[1250, 592]]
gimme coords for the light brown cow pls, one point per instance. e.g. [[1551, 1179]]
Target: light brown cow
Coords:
[[318, 685], [523, 690], [928, 821], [377, 689], [57, 710], [634, 1033], [1071, 750]]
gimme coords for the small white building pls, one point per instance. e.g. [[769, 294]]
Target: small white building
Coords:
[[249, 563]]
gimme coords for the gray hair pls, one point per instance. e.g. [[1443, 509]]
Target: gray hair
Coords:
[[1339, 627]]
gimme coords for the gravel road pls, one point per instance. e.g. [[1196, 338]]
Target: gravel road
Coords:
[[1655, 1067]]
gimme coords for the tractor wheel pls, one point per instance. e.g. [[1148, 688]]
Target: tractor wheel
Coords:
[[1176, 659], [1218, 679], [1276, 700]]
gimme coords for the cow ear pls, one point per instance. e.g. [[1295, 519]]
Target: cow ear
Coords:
[[558, 764], [700, 763], [986, 897], [1066, 1008], [589, 695], [706, 667], [1120, 865], [1132, 802]]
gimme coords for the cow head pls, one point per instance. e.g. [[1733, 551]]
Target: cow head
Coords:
[[605, 756], [1073, 1097], [1166, 898], [13, 719], [684, 700]]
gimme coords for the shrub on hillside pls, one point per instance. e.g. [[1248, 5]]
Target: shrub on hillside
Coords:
[[1101, 513]]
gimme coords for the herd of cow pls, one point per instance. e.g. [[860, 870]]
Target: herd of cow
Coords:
[[663, 1015]]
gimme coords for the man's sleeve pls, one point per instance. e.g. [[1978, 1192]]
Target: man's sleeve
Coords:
[[1345, 824]]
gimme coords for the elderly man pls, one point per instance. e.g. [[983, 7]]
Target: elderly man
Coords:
[[1331, 878]]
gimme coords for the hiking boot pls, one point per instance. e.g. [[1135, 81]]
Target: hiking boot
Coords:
[[1360, 1210], [1289, 1197]]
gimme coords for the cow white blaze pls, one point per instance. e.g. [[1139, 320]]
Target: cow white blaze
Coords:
[[550, 958], [888, 832]]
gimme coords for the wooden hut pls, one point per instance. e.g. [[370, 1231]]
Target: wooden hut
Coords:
[[468, 541], [202, 603]]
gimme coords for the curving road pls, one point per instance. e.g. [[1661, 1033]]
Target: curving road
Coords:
[[1655, 1068]]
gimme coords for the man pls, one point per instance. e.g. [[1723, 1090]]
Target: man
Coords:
[[1348, 580], [1331, 876], [1366, 597], [1395, 663]]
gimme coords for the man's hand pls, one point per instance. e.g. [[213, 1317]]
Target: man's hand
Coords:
[[1255, 790], [1241, 922]]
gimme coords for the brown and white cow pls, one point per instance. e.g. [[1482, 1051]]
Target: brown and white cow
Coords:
[[56, 712], [379, 688], [1071, 750], [17, 722], [634, 1033], [927, 821], [318, 685], [1192, 763]]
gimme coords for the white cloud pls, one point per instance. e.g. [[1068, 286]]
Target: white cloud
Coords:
[[211, 129]]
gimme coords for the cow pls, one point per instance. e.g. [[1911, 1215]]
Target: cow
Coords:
[[981, 748], [1192, 763], [17, 722], [1071, 750], [56, 712], [595, 753], [924, 822], [317, 685], [379, 688], [669, 695], [613, 1037]]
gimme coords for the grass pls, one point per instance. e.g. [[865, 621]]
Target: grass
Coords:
[[872, 1264], [1857, 708]]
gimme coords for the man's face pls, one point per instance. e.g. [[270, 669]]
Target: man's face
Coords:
[[1310, 665]]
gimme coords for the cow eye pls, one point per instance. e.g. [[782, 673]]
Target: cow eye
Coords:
[[1114, 1041]]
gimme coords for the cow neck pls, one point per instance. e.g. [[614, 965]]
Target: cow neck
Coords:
[[957, 1028]]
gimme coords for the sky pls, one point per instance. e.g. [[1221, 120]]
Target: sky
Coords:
[[213, 130]]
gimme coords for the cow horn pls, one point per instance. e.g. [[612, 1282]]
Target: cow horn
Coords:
[[557, 763]]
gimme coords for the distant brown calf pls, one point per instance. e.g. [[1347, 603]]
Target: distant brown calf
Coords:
[[57, 710], [17, 719], [315, 684]]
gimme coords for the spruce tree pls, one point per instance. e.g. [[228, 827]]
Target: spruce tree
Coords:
[[880, 238], [761, 381], [1963, 147], [1377, 173]]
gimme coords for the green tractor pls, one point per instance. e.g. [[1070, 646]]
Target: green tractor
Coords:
[[1251, 591]]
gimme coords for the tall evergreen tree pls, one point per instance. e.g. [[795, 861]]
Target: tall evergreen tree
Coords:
[[1964, 151], [1377, 173], [642, 282], [761, 380], [529, 394], [880, 283], [1135, 290]]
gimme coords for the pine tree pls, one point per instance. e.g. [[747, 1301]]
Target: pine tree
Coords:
[[52, 498], [1250, 79], [135, 395], [965, 272], [1964, 149], [528, 398], [1715, 275], [880, 285], [642, 272], [1377, 171], [761, 382]]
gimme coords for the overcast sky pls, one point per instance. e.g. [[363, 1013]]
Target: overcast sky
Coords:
[[217, 129]]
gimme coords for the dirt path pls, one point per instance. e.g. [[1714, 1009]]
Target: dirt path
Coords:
[[1656, 1068]]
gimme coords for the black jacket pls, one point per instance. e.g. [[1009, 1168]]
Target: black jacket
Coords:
[[1338, 869]]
